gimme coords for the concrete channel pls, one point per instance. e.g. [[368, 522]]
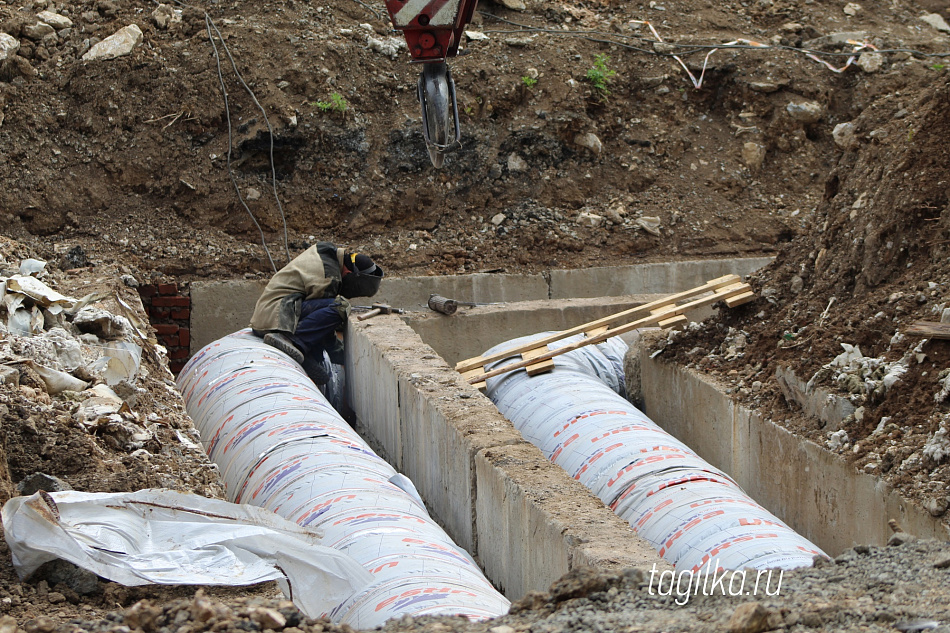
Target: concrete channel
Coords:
[[523, 518]]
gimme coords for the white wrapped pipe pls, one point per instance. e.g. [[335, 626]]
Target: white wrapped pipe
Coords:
[[691, 512], [281, 446]]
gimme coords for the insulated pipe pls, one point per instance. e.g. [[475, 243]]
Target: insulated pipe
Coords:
[[279, 445], [692, 513]]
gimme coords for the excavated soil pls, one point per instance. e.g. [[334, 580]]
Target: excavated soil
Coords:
[[128, 167]]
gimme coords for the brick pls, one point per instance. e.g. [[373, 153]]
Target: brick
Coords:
[[178, 353], [149, 290], [176, 365], [184, 314], [171, 302], [184, 337], [168, 289], [170, 340], [166, 328]]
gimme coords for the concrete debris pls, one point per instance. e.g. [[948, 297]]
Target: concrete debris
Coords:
[[750, 617], [102, 324], [41, 481], [517, 164], [871, 62], [514, 5], [843, 135], [829, 408], [589, 141], [120, 43], [753, 155], [837, 440], [476, 36], [937, 448], [498, 218], [165, 16], [936, 21], [55, 20], [585, 218], [389, 47], [9, 46], [852, 9], [38, 31], [805, 111], [937, 507]]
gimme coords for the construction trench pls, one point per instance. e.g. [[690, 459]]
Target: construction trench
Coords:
[[524, 519]]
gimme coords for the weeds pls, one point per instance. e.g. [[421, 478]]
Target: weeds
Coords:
[[939, 66], [529, 81], [336, 104], [600, 75]]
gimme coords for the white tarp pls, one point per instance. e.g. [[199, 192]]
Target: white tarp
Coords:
[[168, 537]]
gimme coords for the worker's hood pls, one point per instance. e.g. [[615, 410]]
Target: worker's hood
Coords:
[[361, 284]]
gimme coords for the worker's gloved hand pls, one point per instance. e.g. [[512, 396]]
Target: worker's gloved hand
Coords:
[[342, 307]]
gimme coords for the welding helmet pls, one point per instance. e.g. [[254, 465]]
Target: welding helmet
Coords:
[[363, 278]]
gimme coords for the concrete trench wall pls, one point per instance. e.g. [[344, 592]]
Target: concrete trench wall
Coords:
[[522, 517], [812, 489]]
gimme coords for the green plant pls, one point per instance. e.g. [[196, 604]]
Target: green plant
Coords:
[[600, 75], [939, 66], [528, 81], [336, 104]]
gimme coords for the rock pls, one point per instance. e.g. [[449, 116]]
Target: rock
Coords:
[[614, 214], [585, 218], [498, 219], [844, 135], [871, 62], [753, 155], [120, 43], [852, 9], [937, 507], [163, 15], [517, 164], [791, 27], [514, 5], [502, 629], [936, 20], [899, 538], [836, 39], [55, 20], [764, 86], [590, 141], [8, 624], [943, 561], [42, 624], [142, 615], [59, 571], [476, 36], [102, 324], [9, 376], [750, 617], [805, 111], [268, 618], [9, 45], [202, 608], [38, 31], [252, 194], [796, 284], [41, 481]]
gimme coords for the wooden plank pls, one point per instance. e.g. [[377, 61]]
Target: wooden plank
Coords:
[[713, 286], [673, 322], [472, 373], [738, 300], [929, 329], [595, 331], [538, 368], [652, 319]]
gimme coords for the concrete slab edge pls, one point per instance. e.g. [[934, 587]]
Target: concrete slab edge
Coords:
[[476, 473]]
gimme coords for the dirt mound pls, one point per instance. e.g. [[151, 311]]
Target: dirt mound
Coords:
[[874, 260]]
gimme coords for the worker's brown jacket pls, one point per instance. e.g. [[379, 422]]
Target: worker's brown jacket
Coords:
[[315, 273]]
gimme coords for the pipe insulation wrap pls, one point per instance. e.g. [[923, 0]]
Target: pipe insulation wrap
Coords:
[[280, 445], [691, 512]]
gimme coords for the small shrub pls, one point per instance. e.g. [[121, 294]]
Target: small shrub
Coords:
[[336, 104], [529, 82], [600, 75]]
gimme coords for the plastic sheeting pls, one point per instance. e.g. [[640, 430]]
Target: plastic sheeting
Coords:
[[281, 446], [691, 512], [167, 537]]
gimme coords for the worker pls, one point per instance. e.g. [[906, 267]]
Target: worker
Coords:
[[305, 304]]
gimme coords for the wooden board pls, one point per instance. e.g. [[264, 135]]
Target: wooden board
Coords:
[[721, 286], [538, 368], [929, 329], [673, 315]]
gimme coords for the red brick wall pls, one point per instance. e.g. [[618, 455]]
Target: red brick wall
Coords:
[[169, 311]]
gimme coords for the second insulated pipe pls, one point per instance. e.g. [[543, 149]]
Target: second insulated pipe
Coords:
[[692, 513], [281, 446]]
